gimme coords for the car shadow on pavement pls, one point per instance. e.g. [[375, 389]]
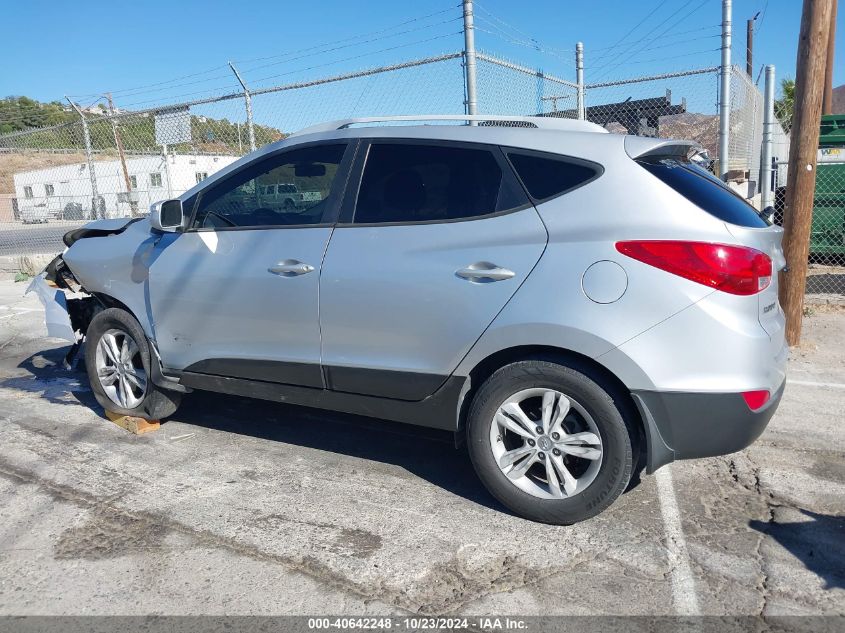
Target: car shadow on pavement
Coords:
[[427, 453], [816, 543], [49, 378]]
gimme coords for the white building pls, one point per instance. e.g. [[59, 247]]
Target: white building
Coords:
[[65, 192]]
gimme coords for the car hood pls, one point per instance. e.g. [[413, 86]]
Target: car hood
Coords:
[[100, 228]]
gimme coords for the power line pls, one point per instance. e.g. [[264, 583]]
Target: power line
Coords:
[[336, 48], [632, 46], [640, 23], [256, 81], [383, 50], [502, 22], [632, 51], [676, 34], [318, 48], [354, 37], [667, 45]]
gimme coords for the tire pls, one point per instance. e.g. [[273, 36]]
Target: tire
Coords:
[[118, 326], [591, 414]]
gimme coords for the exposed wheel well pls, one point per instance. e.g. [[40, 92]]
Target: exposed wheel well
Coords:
[[619, 392], [84, 309]]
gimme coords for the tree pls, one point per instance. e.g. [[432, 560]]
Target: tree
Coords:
[[785, 105]]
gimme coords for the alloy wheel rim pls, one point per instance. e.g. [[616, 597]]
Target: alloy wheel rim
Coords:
[[546, 443], [120, 369]]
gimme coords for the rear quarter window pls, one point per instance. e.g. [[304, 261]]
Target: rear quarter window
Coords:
[[546, 176], [704, 190]]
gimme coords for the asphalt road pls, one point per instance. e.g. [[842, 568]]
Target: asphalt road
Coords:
[[17, 238], [243, 507]]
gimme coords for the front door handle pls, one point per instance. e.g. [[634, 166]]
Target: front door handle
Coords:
[[484, 272], [290, 268]]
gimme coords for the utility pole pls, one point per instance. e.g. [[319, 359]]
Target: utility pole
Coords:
[[827, 101], [133, 204], [579, 79], [95, 196], [801, 180], [749, 45], [248, 101], [469, 60], [725, 92]]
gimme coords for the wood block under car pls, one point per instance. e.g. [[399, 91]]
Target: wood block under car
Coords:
[[133, 424]]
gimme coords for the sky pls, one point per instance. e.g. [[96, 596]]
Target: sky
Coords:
[[156, 52]]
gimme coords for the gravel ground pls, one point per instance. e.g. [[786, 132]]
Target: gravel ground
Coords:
[[243, 507]]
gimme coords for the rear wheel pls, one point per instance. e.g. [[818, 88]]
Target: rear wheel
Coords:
[[117, 359], [549, 442]]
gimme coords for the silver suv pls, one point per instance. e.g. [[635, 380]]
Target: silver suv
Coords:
[[577, 305]]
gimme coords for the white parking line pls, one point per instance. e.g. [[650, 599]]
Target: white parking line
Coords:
[[811, 383], [683, 584]]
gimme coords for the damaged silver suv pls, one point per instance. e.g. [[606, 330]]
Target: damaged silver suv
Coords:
[[577, 305]]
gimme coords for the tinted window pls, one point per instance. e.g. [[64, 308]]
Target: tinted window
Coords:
[[546, 176], [418, 183], [704, 190], [250, 198]]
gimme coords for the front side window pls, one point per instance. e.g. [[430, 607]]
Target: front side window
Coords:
[[49, 190], [155, 179], [405, 182], [291, 188], [27, 192]]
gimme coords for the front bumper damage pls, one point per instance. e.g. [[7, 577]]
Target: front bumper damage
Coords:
[[66, 317]]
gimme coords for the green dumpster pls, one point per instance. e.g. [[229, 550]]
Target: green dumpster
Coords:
[[828, 230]]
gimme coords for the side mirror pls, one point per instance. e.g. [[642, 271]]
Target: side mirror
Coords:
[[166, 216]]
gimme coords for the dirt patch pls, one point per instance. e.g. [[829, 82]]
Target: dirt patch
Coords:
[[344, 541], [109, 534]]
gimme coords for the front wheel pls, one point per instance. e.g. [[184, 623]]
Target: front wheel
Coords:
[[548, 442], [117, 358]]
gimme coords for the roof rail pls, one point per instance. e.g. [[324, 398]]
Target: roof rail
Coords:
[[542, 122]]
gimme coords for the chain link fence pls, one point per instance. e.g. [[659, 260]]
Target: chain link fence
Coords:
[[826, 281], [110, 165]]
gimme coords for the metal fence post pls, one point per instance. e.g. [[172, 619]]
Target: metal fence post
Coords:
[[579, 79], [248, 102], [469, 59], [725, 92], [766, 168], [95, 196]]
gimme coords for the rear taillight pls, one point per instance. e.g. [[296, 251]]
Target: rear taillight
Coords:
[[756, 399], [738, 270]]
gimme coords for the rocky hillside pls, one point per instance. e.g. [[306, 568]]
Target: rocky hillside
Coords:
[[839, 100]]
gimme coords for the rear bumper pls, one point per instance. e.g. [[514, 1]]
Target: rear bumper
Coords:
[[684, 425]]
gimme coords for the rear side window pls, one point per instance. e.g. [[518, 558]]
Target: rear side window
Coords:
[[407, 182], [546, 176], [704, 190]]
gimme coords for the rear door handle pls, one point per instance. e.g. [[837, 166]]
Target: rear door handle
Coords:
[[290, 268], [483, 272]]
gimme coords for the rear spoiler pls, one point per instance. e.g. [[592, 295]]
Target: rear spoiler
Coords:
[[641, 146]]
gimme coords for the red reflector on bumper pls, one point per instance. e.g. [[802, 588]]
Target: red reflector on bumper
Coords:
[[756, 399]]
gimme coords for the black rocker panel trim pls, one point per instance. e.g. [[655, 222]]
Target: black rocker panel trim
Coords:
[[401, 385], [305, 374], [439, 410]]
